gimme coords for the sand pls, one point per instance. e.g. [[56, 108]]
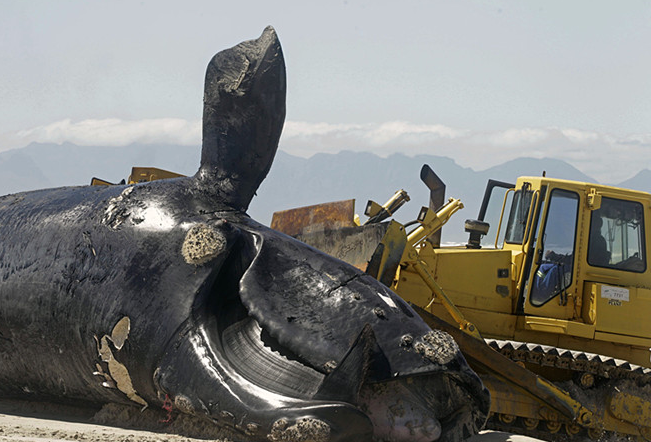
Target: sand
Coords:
[[30, 429], [37, 429]]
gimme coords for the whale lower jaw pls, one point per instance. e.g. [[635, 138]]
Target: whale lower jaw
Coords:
[[199, 373], [236, 380]]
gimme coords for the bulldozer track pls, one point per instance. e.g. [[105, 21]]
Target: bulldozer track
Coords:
[[587, 370], [543, 355]]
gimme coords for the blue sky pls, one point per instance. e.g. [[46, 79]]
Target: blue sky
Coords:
[[478, 81]]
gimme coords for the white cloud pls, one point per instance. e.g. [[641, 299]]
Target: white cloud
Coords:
[[116, 132], [304, 129], [373, 137], [518, 137], [580, 136], [394, 131], [605, 157]]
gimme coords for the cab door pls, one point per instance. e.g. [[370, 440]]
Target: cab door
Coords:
[[616, 269], [550, 287]]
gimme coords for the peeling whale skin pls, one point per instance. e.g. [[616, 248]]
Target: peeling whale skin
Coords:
[[168, 292]]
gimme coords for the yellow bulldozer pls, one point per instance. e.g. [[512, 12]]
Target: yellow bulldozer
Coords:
[[552, 308]]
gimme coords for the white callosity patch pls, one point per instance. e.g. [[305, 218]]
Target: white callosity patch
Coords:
[[113, 215], [143, 215], [202, 243], [107, 381], [120, 332], [117, 372], [183, 404], [437, 346], [304, 430]]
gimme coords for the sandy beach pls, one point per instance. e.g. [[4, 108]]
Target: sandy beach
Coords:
[[36, 427]]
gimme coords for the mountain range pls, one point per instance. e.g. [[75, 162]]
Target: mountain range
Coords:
[[293, 181]]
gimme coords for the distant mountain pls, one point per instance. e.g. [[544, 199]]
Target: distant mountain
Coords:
[[513, 169], [19, 171], [641, 181], [292, 181], [295, 182], [39, 165]]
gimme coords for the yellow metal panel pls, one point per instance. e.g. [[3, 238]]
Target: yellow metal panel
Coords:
[[145, 174], [559, 326], [479, 279], [589, 308], [623, 310], [491, 324], [508, 399], [643, 293], [623, 339], [412, 289], [99, 182]]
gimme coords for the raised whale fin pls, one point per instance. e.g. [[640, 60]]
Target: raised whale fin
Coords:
[[243, 116]]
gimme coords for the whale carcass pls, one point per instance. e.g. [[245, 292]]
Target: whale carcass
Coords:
[[166, 292]]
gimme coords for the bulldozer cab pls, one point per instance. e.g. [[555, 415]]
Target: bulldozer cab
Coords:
[[576, 249]]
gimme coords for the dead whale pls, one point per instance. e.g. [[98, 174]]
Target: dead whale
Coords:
[[168, 293]]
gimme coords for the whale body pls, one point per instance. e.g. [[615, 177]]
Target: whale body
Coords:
[[167, 292]]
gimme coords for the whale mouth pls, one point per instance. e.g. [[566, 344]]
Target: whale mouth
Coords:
[[260, 361]]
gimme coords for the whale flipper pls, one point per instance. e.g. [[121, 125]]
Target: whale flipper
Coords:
[[243, 116]]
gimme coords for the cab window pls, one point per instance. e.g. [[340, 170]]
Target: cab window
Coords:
[[555, 250], [518, 215], [617, 236]]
